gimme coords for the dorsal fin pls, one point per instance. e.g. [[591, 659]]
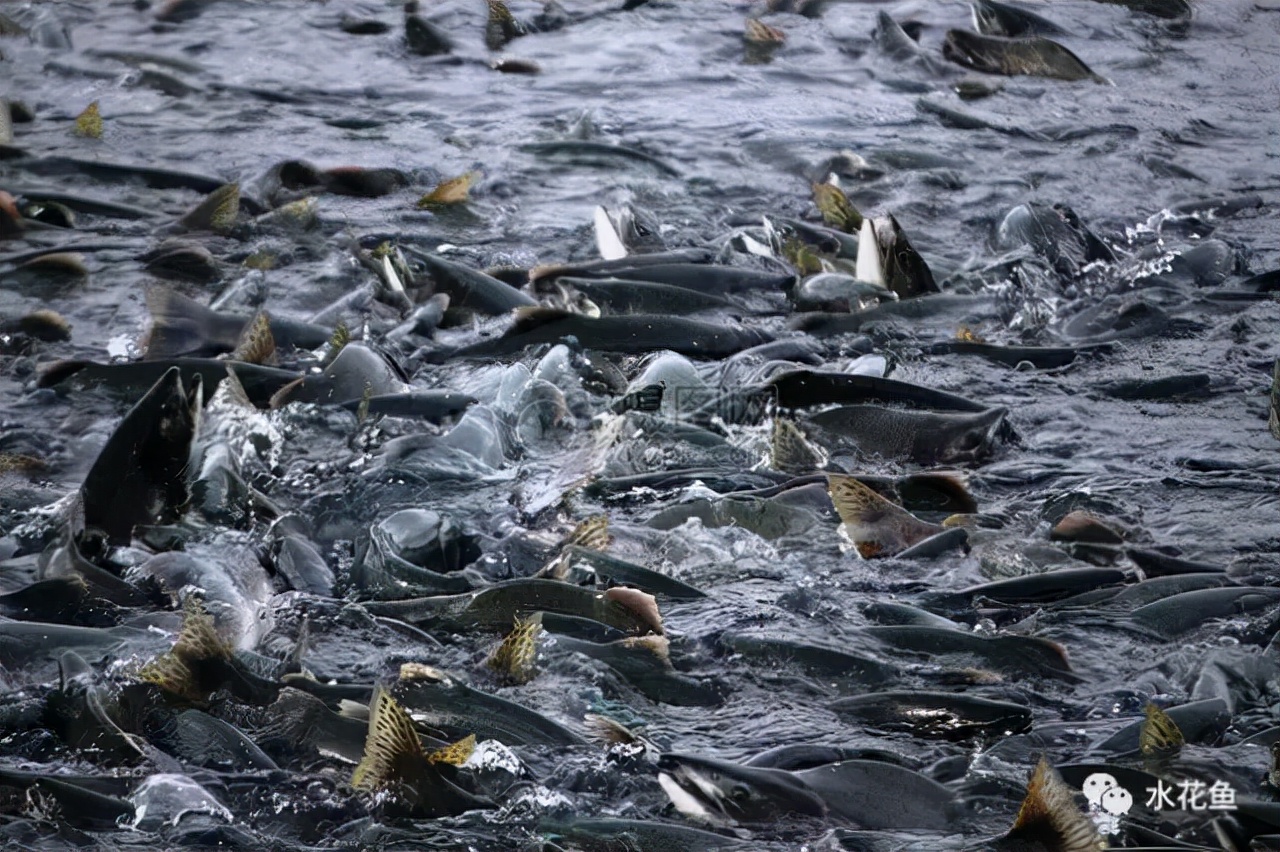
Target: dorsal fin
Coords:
[[257, 345], [390, 747], [199, 640], [592, 534], [217, 212], [790, 451], [234, 389], [837, 211], [281, 397], [171, 674], [529, 317], [875, 525], [1049, 814], [516, 658], [609, 732], [1159, 734], [456, 754]]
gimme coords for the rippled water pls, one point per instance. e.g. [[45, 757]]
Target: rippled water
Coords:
[[1189, 115]]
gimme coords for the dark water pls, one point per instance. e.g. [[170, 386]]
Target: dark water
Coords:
[[1188, 116]]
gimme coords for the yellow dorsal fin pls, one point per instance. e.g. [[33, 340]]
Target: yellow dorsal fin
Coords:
[[516, 658], [217, 212], [790, 451], [452, 191], [456, 754], [593, 534], [390, 747], [1159, 733], [199, 640], [89, 122], [1050, 814], [837, 211], [257, 345], [171, 674]]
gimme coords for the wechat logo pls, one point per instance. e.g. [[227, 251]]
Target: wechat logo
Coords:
[[1108, 801]]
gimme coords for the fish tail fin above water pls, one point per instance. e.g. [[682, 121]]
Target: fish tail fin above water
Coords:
[[1159, 734], [57, 372], [609, 732], [608, 240], [456, 754], [217, 212], [281, 397], [516, 658], [1050, 815], [257, 345], [593, 534], [790, 451], [659, 646], [392, 745], [199, 640]]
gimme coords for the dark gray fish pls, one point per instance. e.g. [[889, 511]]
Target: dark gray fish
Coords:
[[469, 288], [621, 572], [866, 793], [1041, 588], [713, 279], [632, 334], [893, 40], [181, 327], [1032, 56], [1040, 357], [141, 476], [622, 296], [498, 606], [808, 388], [436, 406], [1176, 615], [442, 702], [950, 308], [357, 372], [423, 37], [621, 267], [1168, 9], [921, 436], [609, 835], [1004, 19], [1014, 655], [260, 383], [943, 715], [1193, 386], [585, 152], [645, 664], [821, 661]]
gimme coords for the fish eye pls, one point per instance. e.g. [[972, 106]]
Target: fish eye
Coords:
[[740, 792]]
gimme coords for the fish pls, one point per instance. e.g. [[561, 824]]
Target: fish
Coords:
[[1032, 55], [865, 793], [919, 436], [423, 37], [181, 327], [645, 663], [1049, 819], [515, 660], [624, 296], [630, 334], [471, 289], [260, 383], [396, 763], [1004, 19], [876, 526], [945, 715], [498, 605], [141, 475]]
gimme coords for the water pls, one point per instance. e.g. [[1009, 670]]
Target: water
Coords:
[[1189, 115]]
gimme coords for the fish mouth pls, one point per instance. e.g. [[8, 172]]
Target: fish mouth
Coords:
[[692, 793]]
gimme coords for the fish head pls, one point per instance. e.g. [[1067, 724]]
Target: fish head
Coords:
[[975, 438], [721, 792]]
